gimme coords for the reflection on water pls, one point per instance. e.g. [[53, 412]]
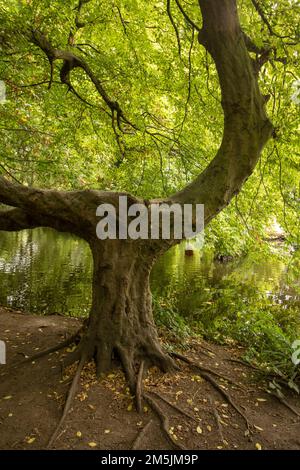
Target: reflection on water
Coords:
[[45, 272], [199, 282]]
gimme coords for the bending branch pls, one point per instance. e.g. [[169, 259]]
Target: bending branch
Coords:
[[70, 62], [265, 20], [246, 126], [13, 220], [71, 211]]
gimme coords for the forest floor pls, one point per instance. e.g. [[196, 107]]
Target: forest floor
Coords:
[[103, 414]]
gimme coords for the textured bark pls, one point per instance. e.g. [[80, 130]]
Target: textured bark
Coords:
[[246, 126], [121, 323]]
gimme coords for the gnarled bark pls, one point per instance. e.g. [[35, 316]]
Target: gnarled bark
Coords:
[[246, 126], [121, 322]]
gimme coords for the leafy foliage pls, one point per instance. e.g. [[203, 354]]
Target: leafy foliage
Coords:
[[58, 131], [167, 87], [233, 309]]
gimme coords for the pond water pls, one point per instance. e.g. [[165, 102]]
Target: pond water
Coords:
[[42, 271]]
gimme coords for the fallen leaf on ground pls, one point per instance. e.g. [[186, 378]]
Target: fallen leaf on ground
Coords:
[[92, 444], [258, 428], [30, 440]]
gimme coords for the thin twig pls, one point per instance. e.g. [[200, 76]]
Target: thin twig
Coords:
[[174, 26]]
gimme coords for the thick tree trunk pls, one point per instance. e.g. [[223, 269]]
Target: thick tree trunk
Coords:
[[121, 323]]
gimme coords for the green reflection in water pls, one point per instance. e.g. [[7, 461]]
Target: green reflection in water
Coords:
[[198, 282], [45, 272]]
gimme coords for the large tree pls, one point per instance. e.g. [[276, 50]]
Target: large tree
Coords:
[[120, 323]]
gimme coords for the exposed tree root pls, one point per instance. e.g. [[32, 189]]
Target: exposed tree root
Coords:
[[285, 403], [244, 363], [176, 407], [129, 370], [217, 418], [164, 421], [71, 394], [46, 352], [205, 369], [71, 358], [141, 434], [205, 375], [139, 384], [267, 375], [135, 381], [227, 396], [207, 351]]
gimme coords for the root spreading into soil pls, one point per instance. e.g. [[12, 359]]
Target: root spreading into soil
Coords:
[[212, 400]]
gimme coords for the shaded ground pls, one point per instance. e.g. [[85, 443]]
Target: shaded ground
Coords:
[[103, 415]]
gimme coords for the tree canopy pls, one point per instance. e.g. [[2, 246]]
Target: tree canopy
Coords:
[[169, 101], [137, 104]]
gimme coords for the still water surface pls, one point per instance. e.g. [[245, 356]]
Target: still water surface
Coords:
[[44, 272]]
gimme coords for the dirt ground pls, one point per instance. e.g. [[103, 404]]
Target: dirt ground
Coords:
[[103, 414]]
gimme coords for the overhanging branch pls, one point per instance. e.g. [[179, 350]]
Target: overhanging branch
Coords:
[[70, 62], [62, 210], [66, 211], [246, 126], [264, 17], [14, 220]]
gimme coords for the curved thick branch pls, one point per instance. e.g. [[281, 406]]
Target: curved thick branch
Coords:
[[246, 131], [72, 211], [14, 220], [66, 211], [246, 126]]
